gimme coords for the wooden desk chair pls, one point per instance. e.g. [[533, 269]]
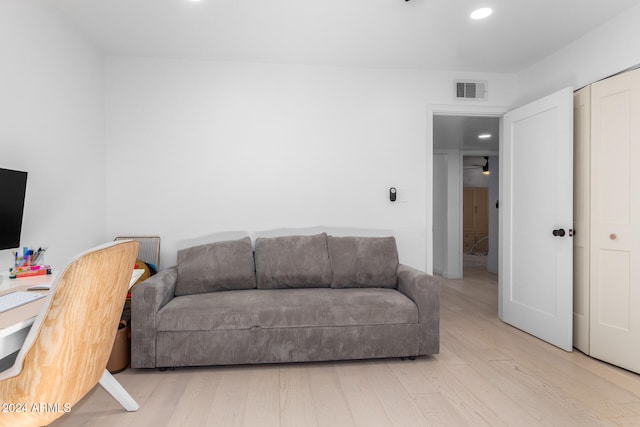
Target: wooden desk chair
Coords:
[[65, 353]]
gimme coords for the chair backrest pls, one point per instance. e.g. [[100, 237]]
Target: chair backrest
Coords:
[[149, 250], [67, 349]]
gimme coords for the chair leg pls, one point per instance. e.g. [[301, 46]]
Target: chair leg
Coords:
[[113, 387]]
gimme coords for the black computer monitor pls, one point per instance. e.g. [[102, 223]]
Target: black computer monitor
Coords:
[[13, 186]]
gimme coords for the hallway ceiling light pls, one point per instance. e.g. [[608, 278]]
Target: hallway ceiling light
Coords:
[[484, 136], [481, 13]]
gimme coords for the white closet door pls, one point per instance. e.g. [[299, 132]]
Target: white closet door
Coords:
[[581, 207], [615, 218]]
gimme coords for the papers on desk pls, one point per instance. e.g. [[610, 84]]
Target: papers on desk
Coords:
[[134, 278]]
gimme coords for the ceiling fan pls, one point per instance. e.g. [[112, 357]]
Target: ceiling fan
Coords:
[[485, 167]]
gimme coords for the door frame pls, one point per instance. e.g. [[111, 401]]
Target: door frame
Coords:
[[450, 110]]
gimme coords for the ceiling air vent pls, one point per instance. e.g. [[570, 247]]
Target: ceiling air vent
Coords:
[[471, 89]]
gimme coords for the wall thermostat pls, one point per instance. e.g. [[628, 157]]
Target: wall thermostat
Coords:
[[392, 194]]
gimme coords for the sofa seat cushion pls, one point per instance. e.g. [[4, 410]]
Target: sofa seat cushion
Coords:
[[282, 308], [292, 262]]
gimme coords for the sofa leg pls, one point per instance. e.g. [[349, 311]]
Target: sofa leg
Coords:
[[408, 357], [162, 369]]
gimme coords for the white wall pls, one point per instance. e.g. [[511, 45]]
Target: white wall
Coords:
[[494, 217], [607, 50], [440, 213], [447, 225], [198, 148], [52, 126]]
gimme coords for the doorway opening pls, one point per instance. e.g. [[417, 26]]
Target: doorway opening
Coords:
[[465, 192], [536, 151]]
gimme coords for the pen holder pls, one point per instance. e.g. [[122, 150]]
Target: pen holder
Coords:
[[36, 259], [29, 257], [21, 260]]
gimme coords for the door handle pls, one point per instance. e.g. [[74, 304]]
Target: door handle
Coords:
[[559, 232]]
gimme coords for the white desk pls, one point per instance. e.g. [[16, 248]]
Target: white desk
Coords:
[[16, 323]]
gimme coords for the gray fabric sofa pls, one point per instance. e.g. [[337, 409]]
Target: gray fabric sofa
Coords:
[[296, 299]]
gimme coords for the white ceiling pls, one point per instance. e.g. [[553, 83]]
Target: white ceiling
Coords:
[[461, 132], [427, 34]]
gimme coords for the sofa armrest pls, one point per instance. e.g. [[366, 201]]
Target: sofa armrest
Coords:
[[424, 291], [146, 299]]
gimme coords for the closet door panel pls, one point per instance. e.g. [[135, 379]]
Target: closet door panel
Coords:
[[481, 214], [615, 214], [581, 217], [467, 209], [475, 218]]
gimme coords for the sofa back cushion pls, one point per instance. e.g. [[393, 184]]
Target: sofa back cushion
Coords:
[[214, 267], [363, 262], [293, 262]]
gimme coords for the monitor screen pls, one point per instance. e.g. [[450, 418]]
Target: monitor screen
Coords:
[[13, 185]]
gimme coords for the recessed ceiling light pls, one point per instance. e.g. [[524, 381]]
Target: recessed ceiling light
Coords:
[[481, 13], [484, 136]]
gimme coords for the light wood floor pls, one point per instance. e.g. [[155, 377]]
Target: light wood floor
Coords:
[[487, 374]]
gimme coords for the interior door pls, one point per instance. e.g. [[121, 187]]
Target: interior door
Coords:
[[536, 216]]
